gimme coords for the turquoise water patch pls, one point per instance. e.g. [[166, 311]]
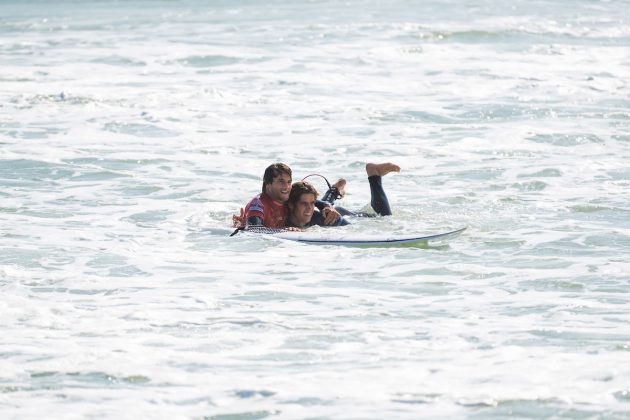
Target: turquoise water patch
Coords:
[[140, 130], [27, 258], [34, 170], [96, 175], [539, 408], [139, 190], [32, 133], [115, 164], [544, 173], [530, 186], [566, 140], [105, 260], [149, 217], [248, 415], [208, 61], [58, 380], [117, 60]]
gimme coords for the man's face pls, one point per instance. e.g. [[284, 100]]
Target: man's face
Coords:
[[302, 210], [280, 188]]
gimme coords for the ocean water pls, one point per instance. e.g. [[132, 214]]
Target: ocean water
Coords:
[[131, 131]]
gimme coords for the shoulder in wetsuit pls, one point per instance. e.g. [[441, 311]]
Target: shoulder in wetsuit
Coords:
[[263, 211]]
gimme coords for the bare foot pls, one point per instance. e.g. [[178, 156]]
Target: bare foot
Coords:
[[381, 169], [341, 187]]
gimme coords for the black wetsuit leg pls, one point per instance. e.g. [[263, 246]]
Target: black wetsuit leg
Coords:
[[379, 201], [330, 197], [345, 212]]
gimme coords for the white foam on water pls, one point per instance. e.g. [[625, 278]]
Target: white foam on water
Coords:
[[130, 134]]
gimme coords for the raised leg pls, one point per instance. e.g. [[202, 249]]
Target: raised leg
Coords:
[[375, 172]]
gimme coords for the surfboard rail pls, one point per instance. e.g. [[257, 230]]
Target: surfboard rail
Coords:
[[353, 240]]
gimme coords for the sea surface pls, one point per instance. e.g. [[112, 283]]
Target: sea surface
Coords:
[[131, 131]]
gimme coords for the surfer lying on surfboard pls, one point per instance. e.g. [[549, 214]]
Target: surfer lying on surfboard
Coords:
[[268, 209], [303, 196]]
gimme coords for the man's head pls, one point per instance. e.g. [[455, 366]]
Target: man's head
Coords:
[[301, 203], [277, 182]]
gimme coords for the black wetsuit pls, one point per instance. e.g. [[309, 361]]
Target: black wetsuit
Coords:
[[379, 203]]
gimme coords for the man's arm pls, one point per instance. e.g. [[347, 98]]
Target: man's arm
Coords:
[[242, 220], [331, 216], [319, 219], [321, 205]]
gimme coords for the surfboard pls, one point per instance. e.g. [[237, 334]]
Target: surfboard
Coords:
[[355, 240]]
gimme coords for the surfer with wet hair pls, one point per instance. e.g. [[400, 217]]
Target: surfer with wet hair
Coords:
[[303, 196], [268, 208], [301, 204]]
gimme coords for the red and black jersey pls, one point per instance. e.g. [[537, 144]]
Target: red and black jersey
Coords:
[[273, 214]]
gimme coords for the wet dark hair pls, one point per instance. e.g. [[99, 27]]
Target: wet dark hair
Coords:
[[299, 188], [274, 171]]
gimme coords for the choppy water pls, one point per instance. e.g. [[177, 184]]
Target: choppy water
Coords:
[[131, 131]]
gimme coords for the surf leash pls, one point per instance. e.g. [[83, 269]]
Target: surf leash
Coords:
[[322, 176], [237, 230], [333, 192]]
